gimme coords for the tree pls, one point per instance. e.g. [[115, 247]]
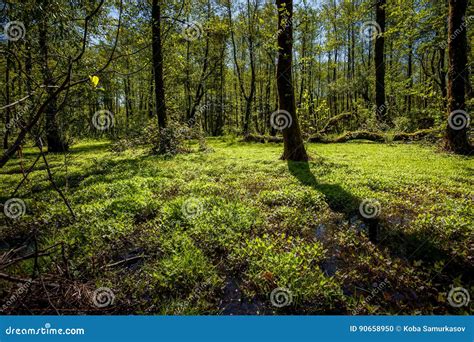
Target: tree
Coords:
[[238, 68], [293, 142], [54, 137], [7, 97], [381, 111], [158, 63], [456, 131]]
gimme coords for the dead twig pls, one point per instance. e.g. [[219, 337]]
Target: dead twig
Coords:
[[39, 144], [13, 279]]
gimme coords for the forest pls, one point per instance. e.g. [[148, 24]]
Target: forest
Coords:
[[236, 157]]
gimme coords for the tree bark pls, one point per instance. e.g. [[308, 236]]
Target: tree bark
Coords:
[[7, 98], [158, 64], [54, 138], [381, 111], [293, 143], [410, 78], [456, 132]]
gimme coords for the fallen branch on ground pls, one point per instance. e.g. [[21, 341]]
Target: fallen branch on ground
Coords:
[[418, 135], [13, 279], [357, 135], [334, 121]]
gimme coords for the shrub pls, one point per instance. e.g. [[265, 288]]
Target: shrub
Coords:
[[167, 141]]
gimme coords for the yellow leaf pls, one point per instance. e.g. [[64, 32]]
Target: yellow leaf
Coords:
[[94, 80]]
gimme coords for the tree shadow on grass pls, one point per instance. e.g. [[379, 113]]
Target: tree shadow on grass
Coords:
[[399, 244], [338, 199]]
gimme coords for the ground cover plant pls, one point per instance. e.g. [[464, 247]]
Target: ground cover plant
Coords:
[[228, 157], [217, 232]]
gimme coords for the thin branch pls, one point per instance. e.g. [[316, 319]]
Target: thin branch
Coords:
[[39, 144]]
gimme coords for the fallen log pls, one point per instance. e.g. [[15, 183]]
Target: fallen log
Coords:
[[356, 135], [262, 139], [334, 121], [254, 138], [348, 136], [418, 135]]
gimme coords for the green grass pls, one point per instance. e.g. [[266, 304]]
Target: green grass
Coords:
[[197, 223]]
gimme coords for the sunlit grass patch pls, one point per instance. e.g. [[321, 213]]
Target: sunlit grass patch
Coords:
[[197, 221]]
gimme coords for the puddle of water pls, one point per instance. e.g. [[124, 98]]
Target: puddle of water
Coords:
[[235, 303], [320, 231]]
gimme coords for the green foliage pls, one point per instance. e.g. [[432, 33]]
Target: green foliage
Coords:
[[182, 268], [268, 223], [287, 262]]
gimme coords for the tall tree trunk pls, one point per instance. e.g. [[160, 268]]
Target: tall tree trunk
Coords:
[[293, 142], [128, 101], [410, 78], [248, 98], [54, 138], [456, 131], [381, 111], [158, 63], [442, 76], [7, 98]]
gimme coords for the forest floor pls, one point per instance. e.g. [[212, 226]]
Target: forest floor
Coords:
[[216, 232]]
